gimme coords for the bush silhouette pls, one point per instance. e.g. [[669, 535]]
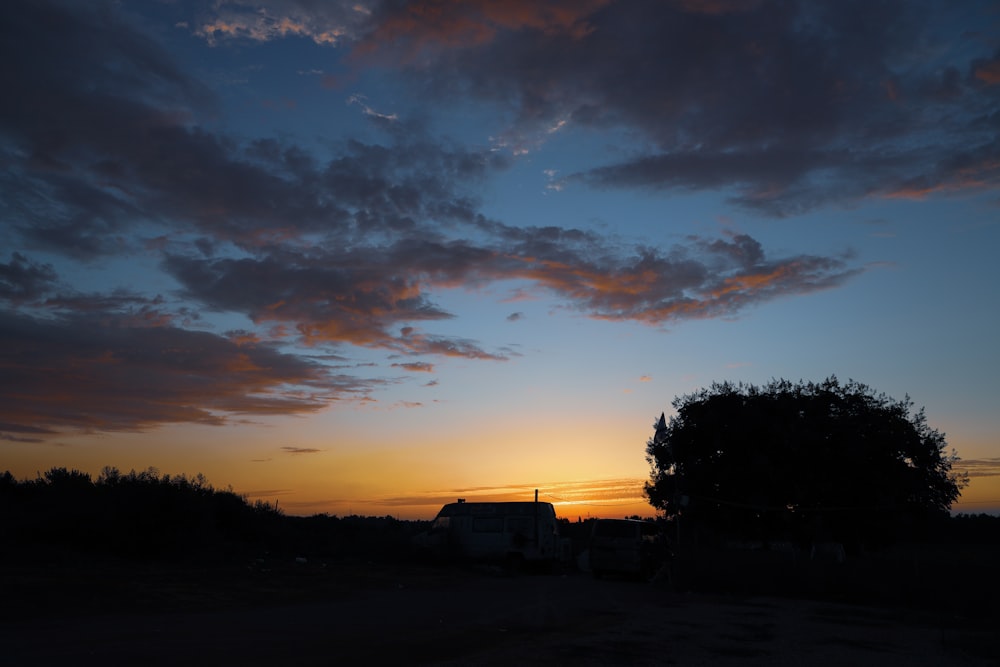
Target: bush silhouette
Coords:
[[135, 514], [145, 515]]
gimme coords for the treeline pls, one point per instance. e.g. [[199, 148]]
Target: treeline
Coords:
[[146, 515]]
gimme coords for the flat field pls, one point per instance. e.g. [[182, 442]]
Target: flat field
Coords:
[[365, 613]]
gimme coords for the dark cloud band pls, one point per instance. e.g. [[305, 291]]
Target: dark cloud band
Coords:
[[110, 154]]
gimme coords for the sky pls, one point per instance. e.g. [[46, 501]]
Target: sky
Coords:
[[368, 257]]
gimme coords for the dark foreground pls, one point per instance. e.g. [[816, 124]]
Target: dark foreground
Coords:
[[370, 614]]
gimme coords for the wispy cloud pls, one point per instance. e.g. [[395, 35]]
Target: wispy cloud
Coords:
[[416, 367], [585, 493], [259, 493], [989, 467], [362, 101], [297, 451], [326, 24]]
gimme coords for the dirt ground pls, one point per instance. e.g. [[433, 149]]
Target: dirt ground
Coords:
[[365, 614]]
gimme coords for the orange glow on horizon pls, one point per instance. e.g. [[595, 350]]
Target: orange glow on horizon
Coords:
[[601, 498]]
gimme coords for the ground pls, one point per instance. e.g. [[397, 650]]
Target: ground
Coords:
[[362, 613]]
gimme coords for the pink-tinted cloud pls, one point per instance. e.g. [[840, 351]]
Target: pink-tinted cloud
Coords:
[[708, 279], [413, 27], [987, 71], [416, 367], [80, 373]]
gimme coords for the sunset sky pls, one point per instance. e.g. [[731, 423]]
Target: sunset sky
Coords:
[[367, 257]]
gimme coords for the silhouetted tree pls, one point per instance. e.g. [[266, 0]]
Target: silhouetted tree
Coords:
[[809, 461]]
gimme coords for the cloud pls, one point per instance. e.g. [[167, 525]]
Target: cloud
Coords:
[[344, 250], [717, 6], [16, 438], [585, 493], [296, 451], [708, 278], [406, 30], [361, 101], [356, 297], [84, 372], [987, 70], [79, 77], [786, 106], [989, 467], [770, 181], [326, 24], [416, 367], [110, 153], [129, 154], [23, 280]]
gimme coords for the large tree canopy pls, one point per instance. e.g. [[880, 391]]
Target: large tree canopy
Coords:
[[808, 460]]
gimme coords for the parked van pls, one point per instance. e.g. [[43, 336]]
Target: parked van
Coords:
[[627, 546], [513, 532]]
